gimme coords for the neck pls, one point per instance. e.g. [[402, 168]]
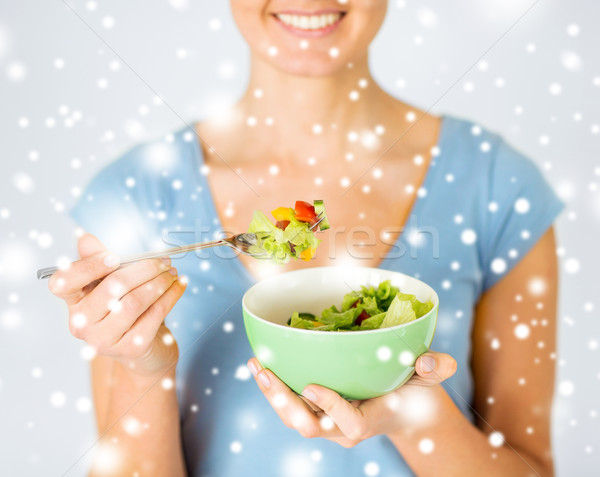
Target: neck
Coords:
[[302, 111]]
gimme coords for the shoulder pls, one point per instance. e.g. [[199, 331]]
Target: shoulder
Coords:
[[511, 203], [159, 155], [139, 188], [475, 149]]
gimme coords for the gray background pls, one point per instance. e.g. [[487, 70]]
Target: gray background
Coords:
[[68, 105]]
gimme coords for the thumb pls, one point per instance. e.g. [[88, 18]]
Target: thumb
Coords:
[[89, 245], [433, 368]]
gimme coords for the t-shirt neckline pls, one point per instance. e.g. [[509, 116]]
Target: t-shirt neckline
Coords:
[[427, 185]]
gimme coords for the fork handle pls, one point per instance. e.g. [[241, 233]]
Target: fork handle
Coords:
[[47, 272]]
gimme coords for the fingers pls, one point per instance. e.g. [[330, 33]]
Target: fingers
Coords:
[[96, 262], [292, 410], [149, 323], [133, 305], [89, 245], [348, 417], [106, 295], [433, 368]]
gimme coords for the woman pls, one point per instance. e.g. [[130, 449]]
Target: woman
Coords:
[[436, 197]]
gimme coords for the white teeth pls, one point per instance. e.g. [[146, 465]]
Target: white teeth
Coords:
[[309, 22]]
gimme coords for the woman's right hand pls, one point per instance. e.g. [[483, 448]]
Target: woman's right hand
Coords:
[[120, 313]]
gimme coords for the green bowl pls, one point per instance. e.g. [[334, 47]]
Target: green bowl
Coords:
[[356, 364]]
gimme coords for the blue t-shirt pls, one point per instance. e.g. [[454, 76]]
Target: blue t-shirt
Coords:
[[480, 210]]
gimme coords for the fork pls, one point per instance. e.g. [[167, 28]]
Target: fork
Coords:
[[247, 244]]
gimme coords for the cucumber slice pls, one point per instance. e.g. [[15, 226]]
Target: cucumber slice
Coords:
[[306, 316], [320, 209]]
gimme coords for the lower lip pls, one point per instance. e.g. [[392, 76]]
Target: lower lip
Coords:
[[319, 33]]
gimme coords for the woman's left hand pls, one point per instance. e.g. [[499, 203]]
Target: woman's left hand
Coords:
[[321, 412]]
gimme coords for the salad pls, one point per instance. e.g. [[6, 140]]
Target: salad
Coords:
[[368, 309], [291, 235]]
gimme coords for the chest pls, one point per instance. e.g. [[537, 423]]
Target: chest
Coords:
[[367, 204]]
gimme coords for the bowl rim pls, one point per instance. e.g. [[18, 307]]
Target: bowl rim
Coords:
[[338, 333]]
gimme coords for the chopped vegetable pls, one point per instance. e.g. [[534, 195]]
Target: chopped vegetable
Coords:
[[291, 236], [320, 211], [368, 309], [304, 211]]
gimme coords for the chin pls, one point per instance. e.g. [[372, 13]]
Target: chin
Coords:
[[312, 39], [314, 65]]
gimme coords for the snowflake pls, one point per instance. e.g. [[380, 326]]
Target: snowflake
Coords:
[[468, 236], [426, 446], [16, 71], [11, 319], [573, 29], [58, 399], [571, 61], [371, 469], [23, 182], [407, 358], [242, 373], [132, 426], [522, 205], [566, 388], [572, 265], [326, 423], [88, 352], [384, 353], [496, 439], [498, 265], [555, 89], [522, 331], [427, 17]]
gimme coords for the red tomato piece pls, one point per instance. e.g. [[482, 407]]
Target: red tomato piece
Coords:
[[282, 224], [363, 316], [305, 212]]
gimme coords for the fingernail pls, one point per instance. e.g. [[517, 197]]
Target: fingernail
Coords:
[[264, 379], [252, 367], [427, 364], [111, 260], [173, 271], [310, 395], [166, 261]]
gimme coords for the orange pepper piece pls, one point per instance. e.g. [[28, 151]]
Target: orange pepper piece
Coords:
[[283, 213], [308, 253]]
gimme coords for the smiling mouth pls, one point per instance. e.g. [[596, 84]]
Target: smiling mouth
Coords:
[[310, 22]]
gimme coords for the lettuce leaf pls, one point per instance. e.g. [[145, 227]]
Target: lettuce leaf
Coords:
[[399, 312], [372, 323], [276, 242], [298, 322], [339, 319], [385, 305]]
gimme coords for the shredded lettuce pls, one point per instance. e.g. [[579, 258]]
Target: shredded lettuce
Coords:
[[276, 242], [384, 306]]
